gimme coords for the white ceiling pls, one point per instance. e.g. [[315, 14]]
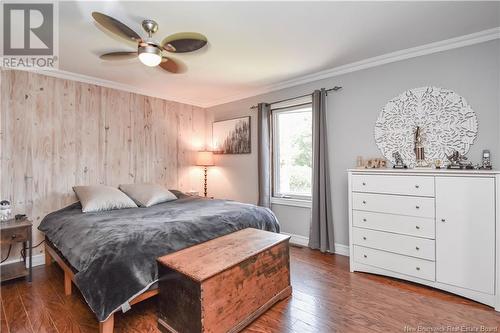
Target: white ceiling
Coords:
[[255, 44]]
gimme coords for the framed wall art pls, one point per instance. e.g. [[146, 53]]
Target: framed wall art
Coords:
[[231, 136]]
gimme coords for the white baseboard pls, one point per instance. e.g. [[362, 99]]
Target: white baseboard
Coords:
[[297, 239], [38, 259], [340, 249]]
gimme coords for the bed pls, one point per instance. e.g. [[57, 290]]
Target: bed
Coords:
[[111, 256]]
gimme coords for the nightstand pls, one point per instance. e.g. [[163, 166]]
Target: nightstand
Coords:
[[11, 233]]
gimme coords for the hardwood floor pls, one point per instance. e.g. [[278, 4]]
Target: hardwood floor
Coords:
[[326, 298]]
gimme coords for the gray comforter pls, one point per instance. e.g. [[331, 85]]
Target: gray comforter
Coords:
[[115, 252]]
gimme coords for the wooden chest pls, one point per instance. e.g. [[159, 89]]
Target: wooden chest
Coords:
[[223, 284]]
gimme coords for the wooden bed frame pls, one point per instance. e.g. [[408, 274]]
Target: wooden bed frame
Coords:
[[69, 275]]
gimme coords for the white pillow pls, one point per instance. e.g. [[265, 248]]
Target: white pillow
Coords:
[[147, 195], [98, 198]]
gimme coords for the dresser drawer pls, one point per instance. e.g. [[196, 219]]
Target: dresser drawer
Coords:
[[402, 244], [398, 263], [394, 204], [14, 235], [401, 224], [404, 185]]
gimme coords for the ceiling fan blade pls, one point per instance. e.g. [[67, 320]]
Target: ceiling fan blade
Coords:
[[183, 42], [172, 66], [116, 27], [118, 55]]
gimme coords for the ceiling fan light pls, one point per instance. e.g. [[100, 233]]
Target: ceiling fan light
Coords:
[[150, 55]]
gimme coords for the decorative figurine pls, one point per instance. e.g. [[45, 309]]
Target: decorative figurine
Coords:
[[486, 160], [419, 150], [5, 210], [458, 161], [399, 161], [454, 160], [437, 164]]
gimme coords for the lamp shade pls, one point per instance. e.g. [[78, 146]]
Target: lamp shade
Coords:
[[205, 158]]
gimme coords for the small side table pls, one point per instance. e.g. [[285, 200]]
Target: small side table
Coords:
[[13, 232]]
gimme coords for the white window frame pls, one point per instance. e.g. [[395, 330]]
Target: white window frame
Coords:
[[285, 198]]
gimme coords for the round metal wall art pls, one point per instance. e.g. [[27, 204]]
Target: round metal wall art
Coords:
[[446, 120]]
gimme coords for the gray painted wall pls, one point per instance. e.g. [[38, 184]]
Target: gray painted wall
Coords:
[[293, 220], [473, 72]]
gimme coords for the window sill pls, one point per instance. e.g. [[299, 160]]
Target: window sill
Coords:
[[291, 202]]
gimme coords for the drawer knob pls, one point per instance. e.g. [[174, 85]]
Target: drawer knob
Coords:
[[364, 220], [443, 220], [364, 202], [364, 238], [417, 186], [417, 207], [418, 268], [417, 248], [365, 256], [364, 184], [13, 236], [417, 227]]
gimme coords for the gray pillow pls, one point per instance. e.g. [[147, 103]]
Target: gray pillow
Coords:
[[147, 195], [98, 198]]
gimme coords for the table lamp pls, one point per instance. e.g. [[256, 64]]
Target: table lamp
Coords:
[[205, 159]]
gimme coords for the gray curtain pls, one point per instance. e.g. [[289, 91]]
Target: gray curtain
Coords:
[[321, 231], [264, 141]]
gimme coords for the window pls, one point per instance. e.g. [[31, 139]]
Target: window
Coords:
[[292, 152]]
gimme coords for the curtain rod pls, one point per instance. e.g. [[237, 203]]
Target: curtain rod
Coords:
[[289, 99]]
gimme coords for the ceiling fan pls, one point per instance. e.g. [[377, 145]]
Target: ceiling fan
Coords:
[[149, 51]]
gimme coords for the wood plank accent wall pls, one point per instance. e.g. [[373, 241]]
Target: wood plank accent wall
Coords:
[[56, 133]]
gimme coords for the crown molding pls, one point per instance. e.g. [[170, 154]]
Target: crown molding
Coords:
[[57, 73], [444, 45], [426, 49]]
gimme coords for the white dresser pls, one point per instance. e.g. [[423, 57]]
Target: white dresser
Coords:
[[434, 227]]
